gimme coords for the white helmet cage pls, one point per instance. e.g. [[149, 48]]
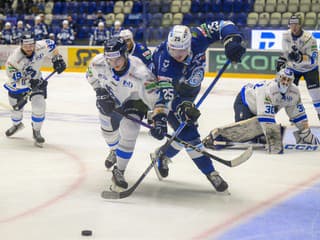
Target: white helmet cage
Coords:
[[284, 75]]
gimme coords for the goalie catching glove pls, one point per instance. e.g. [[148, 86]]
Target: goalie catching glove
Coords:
[[305, 137]]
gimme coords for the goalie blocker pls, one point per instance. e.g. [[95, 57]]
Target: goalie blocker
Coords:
[[250, 130]]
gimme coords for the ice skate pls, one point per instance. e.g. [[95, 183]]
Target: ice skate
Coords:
[[217, 181], [119, 182], [39, 140], [111, 159], [161, 167], [14, 129]]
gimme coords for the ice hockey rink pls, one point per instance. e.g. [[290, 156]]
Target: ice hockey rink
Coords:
[[53, 193]]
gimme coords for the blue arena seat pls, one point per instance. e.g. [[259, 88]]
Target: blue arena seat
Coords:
[[92, 7], [216, 6], [227, 6], [137, 7], [187, 19], [195, 6], [206, 6], [57, 8], [109, 7]]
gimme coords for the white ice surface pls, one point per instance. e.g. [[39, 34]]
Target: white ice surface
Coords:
[[53, 193]]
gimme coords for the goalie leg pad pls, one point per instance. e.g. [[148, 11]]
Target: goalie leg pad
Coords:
[[242, 131], [274, 135]]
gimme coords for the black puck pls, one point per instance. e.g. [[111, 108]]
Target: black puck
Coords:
[[86, 233]]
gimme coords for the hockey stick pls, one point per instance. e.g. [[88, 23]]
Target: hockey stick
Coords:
[[22, 101], [230, 163], [286, 146], [128, 192]]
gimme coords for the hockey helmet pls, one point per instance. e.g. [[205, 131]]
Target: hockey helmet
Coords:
[[126, 34], [285, 79], [114, 48], [296, 19], [27, 38], [179, 42]]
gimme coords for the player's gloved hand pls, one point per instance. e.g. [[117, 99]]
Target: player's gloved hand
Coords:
[[58, 63], [188, 112], [295, 55], [104, 101], [160, 129], [234, 48], [305, 137], [38, 84], [280, 63]]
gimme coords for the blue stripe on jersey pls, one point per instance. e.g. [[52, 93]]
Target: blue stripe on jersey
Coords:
[[267, 120], [243, 96], [122, 154], [36, 119], [299, 119]]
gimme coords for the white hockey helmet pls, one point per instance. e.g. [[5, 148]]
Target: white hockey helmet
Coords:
[[179, 42], [285, 79], [126, 34]]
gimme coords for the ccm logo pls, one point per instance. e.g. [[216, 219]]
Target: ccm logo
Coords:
[[302, 147]]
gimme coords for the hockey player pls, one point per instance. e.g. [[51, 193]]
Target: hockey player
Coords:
[[25, 78], [179, 64], [122, 82], [255, 108], [66, 35], [99, 35], [136, 49], [300, 52]]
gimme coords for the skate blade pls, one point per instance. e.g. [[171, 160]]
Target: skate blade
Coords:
[[116, 189], [224, 193], [39, 145], [155, 166]]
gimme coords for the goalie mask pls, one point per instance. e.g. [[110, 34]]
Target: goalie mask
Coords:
[[285, 79], [179, 43]]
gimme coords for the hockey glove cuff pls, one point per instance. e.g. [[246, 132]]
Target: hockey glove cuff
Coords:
[[59, 64], [104, 102], [160, 129], [234, 48], [280, 63], [188, 112]]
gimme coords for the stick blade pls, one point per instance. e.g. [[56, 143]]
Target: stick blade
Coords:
[[243, 157], [110, 195]]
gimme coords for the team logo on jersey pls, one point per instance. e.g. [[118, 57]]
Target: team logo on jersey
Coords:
[[128, 84], [196, 77]]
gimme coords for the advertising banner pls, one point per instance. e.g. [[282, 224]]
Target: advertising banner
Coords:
[[254, 61], [272, 39]]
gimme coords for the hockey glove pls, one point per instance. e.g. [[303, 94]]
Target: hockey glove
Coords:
[[188, 112], [104, 102], [280, 63], [38, 84], [295, 55], [160, 129], [234, 50], [306, 137], [58, 63]]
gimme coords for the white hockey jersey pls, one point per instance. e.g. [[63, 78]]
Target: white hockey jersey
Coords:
[[265, 100], [307, 45], [20, 68], [137, 83]]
